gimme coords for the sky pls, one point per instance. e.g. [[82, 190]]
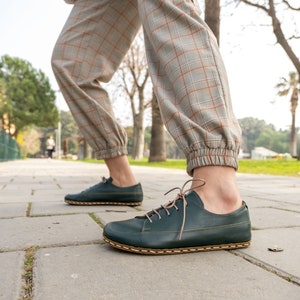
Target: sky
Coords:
[[254, 63]]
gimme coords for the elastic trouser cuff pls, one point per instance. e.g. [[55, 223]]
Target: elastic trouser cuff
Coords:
[[212, 157], [111, 153]]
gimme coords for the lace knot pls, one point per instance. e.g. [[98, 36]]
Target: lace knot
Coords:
[[181, 195]]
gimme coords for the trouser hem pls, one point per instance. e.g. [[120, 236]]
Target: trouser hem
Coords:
[[212, 157], [111, 153]]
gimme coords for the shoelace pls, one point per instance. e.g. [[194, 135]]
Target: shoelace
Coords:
[[181, 195], [103, 180]]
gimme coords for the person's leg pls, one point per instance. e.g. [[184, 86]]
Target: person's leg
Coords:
[[191, 86], [120, 170], [91, 46]]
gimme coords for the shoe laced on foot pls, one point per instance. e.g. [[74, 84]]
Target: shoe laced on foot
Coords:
[[180, 196], [181, 226], [106, 193]]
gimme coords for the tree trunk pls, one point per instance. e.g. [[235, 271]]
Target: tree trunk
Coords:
[[157, 143], [294, 104], [212, 17], [138, 137], [293, 145]]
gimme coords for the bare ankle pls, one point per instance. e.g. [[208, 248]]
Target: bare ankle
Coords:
[[220, 194], [123, 181], [120, 171]]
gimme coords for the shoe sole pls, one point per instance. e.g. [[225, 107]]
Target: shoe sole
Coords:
[[103, 203], [150, 251]]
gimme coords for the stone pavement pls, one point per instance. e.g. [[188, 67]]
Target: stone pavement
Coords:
[[69, 260]]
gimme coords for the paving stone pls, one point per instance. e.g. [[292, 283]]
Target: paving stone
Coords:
[[291, 197], [11, 266], [20, 233], [49, 196], [253, 202], [9, 210], [273, 218], [56, 208], [9, 192], [14, 199], [287, 239], [98, 272]]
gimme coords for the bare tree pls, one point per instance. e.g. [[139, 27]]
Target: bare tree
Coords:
[[136, 83], [270, 8]]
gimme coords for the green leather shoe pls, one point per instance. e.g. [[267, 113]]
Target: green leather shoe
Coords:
[[106, 193], [181, 226]]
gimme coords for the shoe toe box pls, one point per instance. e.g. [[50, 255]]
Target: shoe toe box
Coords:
[[125, 232]]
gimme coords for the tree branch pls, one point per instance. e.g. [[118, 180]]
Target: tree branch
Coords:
[[277, 29], [290, 6], [256, 5], [281, 39]]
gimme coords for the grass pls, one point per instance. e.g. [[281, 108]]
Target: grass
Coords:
[[283, 167], [28, 272], [280, 167]]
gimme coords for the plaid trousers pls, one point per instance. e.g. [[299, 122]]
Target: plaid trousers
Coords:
[[187, 71]]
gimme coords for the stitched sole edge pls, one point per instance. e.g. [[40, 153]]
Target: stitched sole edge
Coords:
[[151, 251], [102, 203]]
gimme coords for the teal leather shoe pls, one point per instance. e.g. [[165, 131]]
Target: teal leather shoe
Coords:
[[181, 226], [106, 193]]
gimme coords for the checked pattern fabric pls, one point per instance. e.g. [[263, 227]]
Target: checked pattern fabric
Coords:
[[185, 65]]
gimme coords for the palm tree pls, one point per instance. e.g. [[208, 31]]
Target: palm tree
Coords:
[[291, 86]]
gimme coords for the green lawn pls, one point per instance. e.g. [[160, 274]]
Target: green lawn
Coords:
[[284, 167]]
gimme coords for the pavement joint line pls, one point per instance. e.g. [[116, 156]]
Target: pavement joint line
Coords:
[[28, 210], [267, 267], [274, 201], [12, 218], [286, 209], [278, 208], [57, 214], [29, 215], [96, 219], [27, 276], [274, 227], [77, 244]]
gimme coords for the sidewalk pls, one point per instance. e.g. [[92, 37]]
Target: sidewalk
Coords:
[[70, 260]]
